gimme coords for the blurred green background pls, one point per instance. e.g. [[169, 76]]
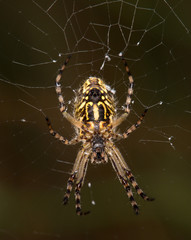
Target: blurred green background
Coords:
[[36, 37]]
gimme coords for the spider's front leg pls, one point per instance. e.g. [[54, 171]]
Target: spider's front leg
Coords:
[[79, 182], [72, 177], [136, 186], [122, 178], [78, 176], [70, 183], [128, 174], [78, 202], [124, 174]]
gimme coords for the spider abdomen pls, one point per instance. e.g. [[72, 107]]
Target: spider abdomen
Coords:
[[95, 112], [97, 102]]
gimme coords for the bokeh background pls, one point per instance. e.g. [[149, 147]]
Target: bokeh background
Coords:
[[36, 37]]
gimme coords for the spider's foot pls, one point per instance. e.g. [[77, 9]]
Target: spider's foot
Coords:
[[150, 199], [134, 205], [144, 196], [80, 213], [67, 60], [136, 209]]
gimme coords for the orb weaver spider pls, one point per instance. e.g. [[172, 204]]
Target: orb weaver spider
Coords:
[[95, 121]]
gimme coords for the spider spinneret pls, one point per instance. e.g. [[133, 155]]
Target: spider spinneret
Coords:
[[95, 121]]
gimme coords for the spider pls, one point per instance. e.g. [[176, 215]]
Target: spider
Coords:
[[95, 121]]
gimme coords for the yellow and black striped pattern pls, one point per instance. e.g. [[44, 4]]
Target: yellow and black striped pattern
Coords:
[[94, 103]]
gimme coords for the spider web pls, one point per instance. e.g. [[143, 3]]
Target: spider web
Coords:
[[36, 37]]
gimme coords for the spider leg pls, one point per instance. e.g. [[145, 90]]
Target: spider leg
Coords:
[[71, 119], [122, 178], [118, 121], [124, 173], [79, 183], [130, 90], [119, 136], [78, 175], [136, 186], [69, 188], [72, 177], [60, 137], [129, 174], [78, 203]]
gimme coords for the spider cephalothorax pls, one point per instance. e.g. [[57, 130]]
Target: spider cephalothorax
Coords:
[[98, 150], [94, 111]]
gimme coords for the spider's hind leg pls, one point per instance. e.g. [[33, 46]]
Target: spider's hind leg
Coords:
[[124, 116]]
